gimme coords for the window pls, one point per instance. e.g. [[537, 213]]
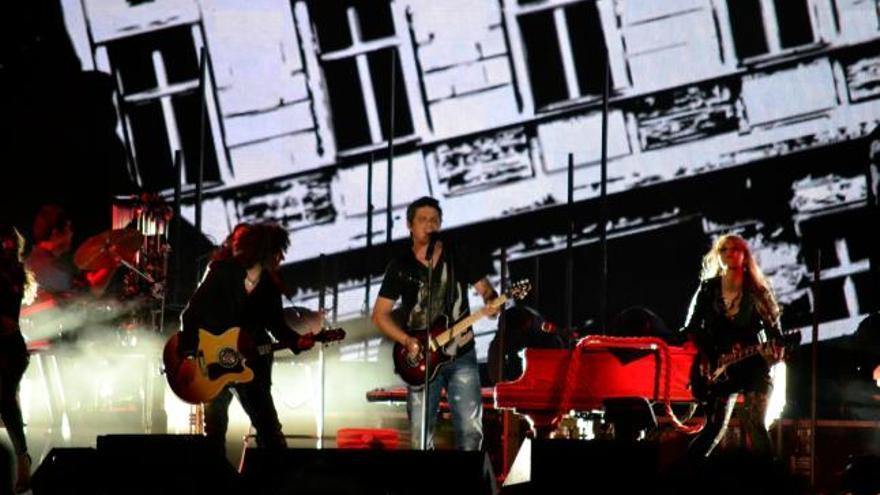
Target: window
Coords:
[[844, 247], [760, 27], [157, 75], [563, 46], [358, 48], [296, 203]]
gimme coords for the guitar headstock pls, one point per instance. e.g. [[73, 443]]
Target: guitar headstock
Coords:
[[519, 289], [330, 335]]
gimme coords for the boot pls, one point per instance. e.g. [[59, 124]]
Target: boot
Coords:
[[23, 476]]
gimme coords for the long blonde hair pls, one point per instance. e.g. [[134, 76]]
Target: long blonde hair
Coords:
[[12, 252], [754, 281]]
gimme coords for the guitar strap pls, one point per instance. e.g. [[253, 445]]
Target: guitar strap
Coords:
[[452, 294], [452, 283]]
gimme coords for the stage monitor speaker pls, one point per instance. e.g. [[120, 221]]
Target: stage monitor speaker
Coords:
[[366, 472], [543, 465], [66, 470], [164, 464]]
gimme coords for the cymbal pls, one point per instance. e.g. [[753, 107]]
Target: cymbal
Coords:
[[298, 314], [303, 319], [107, 248]]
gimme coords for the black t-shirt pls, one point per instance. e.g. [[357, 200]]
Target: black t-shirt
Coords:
[[407, 279], [221, 302], [714, 333]]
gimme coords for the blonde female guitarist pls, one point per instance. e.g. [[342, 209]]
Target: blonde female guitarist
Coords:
[[733, 309], [239, 292]]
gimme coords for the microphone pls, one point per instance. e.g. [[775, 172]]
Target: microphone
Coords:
[[432, 242]]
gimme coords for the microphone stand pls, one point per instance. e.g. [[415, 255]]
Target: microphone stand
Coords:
[[429, 256], [603, 201], [321, 308]]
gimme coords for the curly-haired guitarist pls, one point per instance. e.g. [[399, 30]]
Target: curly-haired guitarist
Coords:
[[240, 290]]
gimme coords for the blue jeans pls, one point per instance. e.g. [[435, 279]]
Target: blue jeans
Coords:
[[461, 379]]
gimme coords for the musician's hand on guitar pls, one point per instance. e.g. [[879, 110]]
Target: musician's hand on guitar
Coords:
[[778, 352], [413, 348], [773, 352], [305, 341], [485, 289], [492, 311], [705, 367]]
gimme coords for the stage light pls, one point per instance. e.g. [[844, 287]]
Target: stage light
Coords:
[[776, 401]]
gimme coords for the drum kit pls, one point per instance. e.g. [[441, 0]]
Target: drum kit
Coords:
[[109, 249], [76, 337], [133, 307], [134, 301], [139, 245], [117, 248]]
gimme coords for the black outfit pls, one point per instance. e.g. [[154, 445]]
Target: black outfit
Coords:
[[406, 278], [13, 352], [714, 333], [219, 303]]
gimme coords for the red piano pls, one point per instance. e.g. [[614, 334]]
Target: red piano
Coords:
[[556, 381]]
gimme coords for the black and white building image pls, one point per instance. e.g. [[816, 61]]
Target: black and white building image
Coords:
[[724, 123]]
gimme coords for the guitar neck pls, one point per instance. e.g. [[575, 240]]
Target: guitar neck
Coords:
[[731, 358], [462, 326], [264, 349], [322, 337]]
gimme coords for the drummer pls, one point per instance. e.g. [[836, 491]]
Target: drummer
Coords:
[[57, 277]]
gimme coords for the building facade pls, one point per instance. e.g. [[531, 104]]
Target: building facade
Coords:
[[715, 122]]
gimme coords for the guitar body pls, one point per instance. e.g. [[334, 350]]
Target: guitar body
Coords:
[[221, 360], [218, 363], [440, 335], [412, 371], [708, 374]]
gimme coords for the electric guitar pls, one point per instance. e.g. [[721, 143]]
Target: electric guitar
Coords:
[[709, 373], [434, 342], [220, 360]]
